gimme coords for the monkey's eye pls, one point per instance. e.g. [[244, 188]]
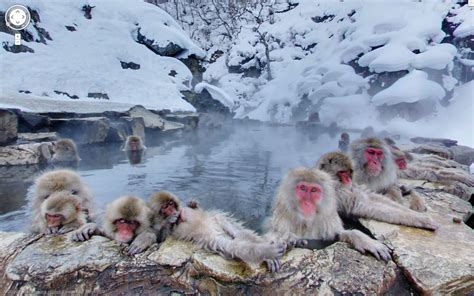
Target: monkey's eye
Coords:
[[303, 188], [74, 192], [46, 196], [314, 189]]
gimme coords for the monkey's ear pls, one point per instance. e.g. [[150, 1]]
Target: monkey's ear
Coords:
[[78, 207]]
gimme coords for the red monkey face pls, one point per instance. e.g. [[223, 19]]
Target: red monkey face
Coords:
[[125, 230], [308, 194], [345, 177], [134, 145], [54, 220], [374, 157], [168, 208], [401, 162]]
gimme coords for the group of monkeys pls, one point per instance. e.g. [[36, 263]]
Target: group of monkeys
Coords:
[[308, 206]]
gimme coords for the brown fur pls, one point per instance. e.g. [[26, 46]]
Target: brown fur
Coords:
[[55, 181], [65, 150], [288, 223], [355, 201], [134, 138]]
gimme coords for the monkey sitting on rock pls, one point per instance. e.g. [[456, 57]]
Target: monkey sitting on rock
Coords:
[[65, 150]]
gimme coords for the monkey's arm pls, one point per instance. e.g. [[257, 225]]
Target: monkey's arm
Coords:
[[86, 231], [382, 209], [394, 193], [363, 243], [163, 231], [142, 242]]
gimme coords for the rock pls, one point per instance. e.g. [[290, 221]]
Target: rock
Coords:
[[435, 141], [23, 154], [463, 154], [433, 149], [8, 127], [438, 262], [204, 103], [122, 127], [170, 50], [188, 119], [37, 137], [154, 121], [82, 130], [31, 122]]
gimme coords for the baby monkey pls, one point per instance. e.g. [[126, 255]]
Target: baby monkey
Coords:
[[60, 213]]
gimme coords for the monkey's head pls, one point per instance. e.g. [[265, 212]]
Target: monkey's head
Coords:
[[60, 208], [59, 180], [306, 192], [125, 218], [65, 146], [371, 155], [399, 157], [163, 203], [345, 137], [338, 165], [134, 143]]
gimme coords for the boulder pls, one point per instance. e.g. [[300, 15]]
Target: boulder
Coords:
[[463, 154], [31, 122], [122, 127], [37, 137], [86, 130], [8, 127], [154, 121], [190, 120], [23, 154]]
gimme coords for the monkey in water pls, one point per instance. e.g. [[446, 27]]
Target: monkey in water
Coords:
[[375, 168], [214, 231], [125, 219], [65, 150], [305, 207], [353, 200], [134, 143], [60, 213], [344, 142], [59, 181]]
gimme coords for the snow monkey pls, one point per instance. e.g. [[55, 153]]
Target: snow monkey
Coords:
[[125, 218], [60, 213], [214, 231], [65, 150], [134, 143], [353, 200], [376, 168], [434, 168], [344, 142], [305, 207], [59, 181]]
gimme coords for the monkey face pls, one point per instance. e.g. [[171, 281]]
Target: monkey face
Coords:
[[307, 195], [61, 208], [401, 162], [345, 177], [373, 157], [168, 208], [125, 230], [134, 145]]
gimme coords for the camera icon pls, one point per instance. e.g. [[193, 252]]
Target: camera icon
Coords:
[[17, 17]]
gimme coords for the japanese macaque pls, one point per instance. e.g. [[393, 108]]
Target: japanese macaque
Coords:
[[214, 231], [59, 181], [125, 219], [60, 213], [305, 207], [65, 150], [434, 168], [344, 142], [353, 200], [134, 143]]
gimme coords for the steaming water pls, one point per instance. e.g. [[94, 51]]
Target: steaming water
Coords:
[[235, 169]]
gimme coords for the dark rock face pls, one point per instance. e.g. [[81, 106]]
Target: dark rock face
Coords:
[[98, 96], [129, 65], [83, 130], [203, 102], [170, 50], [194, 64], [31, 122], [8, 127]]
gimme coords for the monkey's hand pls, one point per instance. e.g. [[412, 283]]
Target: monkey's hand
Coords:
[[142, 242], [428, 223], [66, 229], [363, 243], [274, 249], [417, 203], [296, 243], [273, 265], [85, 232], [52, 230], [193, 204]]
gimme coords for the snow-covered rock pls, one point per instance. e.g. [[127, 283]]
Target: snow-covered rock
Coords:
[[86, 51]]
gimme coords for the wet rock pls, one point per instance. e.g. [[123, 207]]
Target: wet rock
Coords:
[[37, 137], [154, 121], [8, 127], [204, 103], [463, 154], [440, 262], [31, 122], [23, 154], [122, 127], [82, 130]]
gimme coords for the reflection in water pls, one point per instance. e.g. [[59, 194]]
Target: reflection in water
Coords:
[[236, 169], [135, 156]]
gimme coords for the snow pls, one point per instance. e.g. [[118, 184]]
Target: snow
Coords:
[[411, 88], [463, 16], [88, 60], [216, 93]]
